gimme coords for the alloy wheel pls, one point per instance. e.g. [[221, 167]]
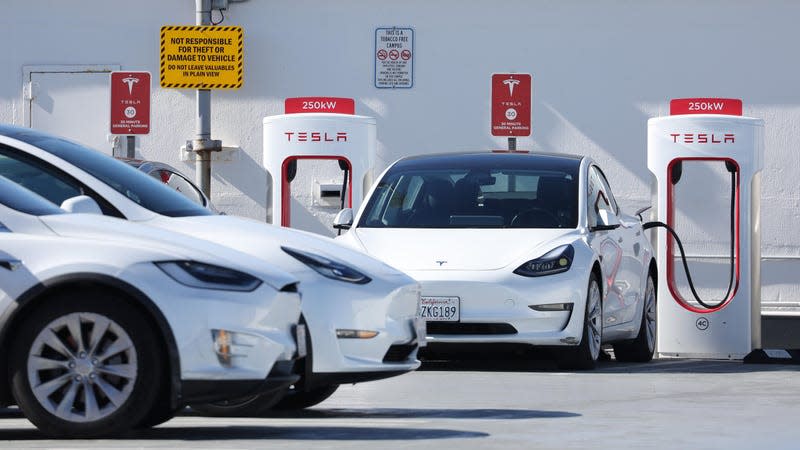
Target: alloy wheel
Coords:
[[594, 320], [82, 367]]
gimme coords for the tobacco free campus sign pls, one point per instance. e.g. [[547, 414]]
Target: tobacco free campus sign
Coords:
[[394, 57], [202, 57]]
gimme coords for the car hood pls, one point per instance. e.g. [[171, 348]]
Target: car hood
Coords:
[[456, 249], [164, 242], [265, 241]]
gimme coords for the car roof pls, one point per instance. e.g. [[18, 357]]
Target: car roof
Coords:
[[25, 134], [511, 160]]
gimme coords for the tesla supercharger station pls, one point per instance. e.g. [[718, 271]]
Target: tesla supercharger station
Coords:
[[708, 168], [349, 139]]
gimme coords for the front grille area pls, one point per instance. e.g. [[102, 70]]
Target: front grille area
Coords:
[[469, 328], [399, 353]]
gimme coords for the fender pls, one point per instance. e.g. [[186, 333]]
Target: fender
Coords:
[[18, 308]]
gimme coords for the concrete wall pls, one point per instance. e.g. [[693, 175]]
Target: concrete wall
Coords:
[[600, 70]]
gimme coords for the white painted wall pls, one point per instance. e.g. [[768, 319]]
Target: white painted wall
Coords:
[[600, 70]]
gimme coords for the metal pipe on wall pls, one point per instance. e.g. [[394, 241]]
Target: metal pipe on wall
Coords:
[[203, 145]]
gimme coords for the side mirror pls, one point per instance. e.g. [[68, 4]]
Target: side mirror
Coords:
[[344, 219], [81, 204], [606, 220]]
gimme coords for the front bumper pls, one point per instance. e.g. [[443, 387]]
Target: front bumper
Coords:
[[210, 391], [387, 305], [260, 326], [495, 307]]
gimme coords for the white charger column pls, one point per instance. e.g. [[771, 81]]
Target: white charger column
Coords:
[[731, 328], [348, 138]]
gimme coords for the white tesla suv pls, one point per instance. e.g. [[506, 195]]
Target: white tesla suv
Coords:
[[360, 313], [104, 328], [515, 248]]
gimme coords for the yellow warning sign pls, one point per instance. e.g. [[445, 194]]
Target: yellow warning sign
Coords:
[[202, 57]]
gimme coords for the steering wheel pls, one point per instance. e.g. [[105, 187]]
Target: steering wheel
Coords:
[[538, 217]]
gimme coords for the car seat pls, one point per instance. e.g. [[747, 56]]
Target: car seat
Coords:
[[555, 206], [434, 206], [466, 197]]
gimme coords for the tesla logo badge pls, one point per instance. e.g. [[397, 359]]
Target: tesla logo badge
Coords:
[[703, 138], [702, 324], [130, 81], [510, 83], [441, 263]]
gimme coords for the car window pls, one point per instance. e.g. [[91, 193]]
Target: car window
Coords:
[[473, 197], [133, 184], [18, 198], [45, 179], [46, 183]]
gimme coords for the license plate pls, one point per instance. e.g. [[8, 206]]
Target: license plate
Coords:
[[439, 309]]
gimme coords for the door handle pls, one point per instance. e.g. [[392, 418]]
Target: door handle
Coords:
[[10, 264]]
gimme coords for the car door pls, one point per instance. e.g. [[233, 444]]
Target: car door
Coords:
[[608, 244], [624, 271]]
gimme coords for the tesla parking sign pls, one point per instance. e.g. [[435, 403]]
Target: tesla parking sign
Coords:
[[511, 104], [130, 102]]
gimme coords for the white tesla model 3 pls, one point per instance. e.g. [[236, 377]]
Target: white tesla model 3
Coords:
[[360, 313], [514, 248], [106, 325]]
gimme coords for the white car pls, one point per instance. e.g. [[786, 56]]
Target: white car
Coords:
[[360, 313], [514, 248], [107, 325]]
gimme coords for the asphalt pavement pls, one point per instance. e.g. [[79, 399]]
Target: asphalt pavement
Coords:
[[504, 404]]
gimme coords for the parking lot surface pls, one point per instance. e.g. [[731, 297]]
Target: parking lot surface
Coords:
[[505, 404]]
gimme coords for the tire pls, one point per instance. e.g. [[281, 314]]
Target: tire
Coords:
[[86, 364], [585, 355], [299, 399], [642, 347], [255, 406], [159, 414]]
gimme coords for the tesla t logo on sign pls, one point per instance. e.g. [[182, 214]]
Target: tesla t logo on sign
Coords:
[[511, 104], [130, 102]]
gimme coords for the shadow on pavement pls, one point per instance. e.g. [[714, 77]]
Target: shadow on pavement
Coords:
[[504, 363], [419, 413], [304, 433], [239, 433], [11, 413]]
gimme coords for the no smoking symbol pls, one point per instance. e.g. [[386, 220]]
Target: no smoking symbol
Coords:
[[382, 54], [406, 55], [394, 54], [702, 324]]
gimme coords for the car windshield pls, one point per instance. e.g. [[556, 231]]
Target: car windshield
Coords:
[[17, 197], [132, 183], [475, 194]]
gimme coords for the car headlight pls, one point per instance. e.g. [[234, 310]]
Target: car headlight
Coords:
[[328, 268], [207, 276], [555, 261]]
